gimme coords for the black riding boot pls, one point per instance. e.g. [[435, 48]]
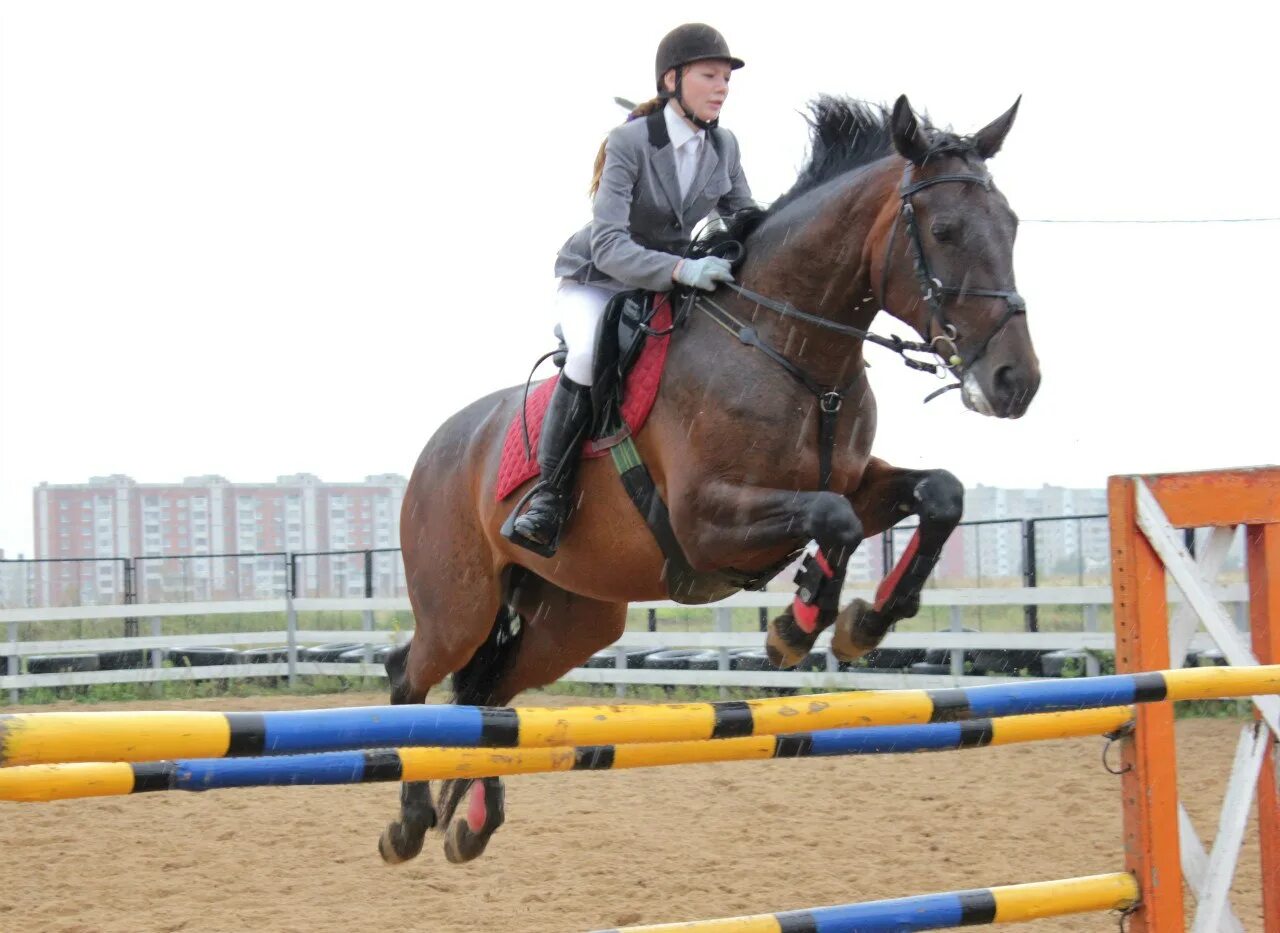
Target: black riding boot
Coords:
[[563, 427]]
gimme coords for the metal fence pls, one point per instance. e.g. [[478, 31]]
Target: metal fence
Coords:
[[1066, 550]]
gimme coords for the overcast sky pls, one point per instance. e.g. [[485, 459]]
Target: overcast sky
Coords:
[[258, 238]]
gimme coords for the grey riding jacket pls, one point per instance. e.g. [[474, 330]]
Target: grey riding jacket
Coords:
[[640, 225]]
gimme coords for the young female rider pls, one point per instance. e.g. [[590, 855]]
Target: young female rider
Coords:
[[655, 179]]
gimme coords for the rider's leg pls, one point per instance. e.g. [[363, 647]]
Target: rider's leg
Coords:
[[580, 308]]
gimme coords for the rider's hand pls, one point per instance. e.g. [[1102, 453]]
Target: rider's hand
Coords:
[[705, 273]]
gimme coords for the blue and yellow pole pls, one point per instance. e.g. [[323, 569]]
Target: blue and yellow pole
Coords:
[[34, 783], [41, 738], [1009, 904]]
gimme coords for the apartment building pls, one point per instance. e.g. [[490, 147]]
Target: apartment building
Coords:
[[207, 537]]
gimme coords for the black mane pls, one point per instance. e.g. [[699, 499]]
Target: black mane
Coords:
[[844, 135]]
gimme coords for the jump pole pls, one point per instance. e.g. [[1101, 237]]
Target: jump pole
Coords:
[[47, 738], [1009, 904], [39, 783]]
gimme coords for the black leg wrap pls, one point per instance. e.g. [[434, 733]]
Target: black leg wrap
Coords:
[[816, 587]]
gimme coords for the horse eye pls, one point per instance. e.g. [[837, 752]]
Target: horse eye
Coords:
[[943, 230]]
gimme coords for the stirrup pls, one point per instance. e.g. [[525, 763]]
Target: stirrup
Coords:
[[509, 532]]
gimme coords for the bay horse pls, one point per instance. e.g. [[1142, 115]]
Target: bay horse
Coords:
[[759, 441]]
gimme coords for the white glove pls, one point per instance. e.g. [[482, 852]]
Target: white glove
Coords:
[[704, 273]]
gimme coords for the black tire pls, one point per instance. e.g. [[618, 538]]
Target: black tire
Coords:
[[943, 655], [264, 655], [893, 659], [61, 663], [202, 657], [925, 667], [1005, 662], [814, 661], [707, 660], [637, 656], [356, 655], [676, 659], [1056, 663], [124, 660], [603, 659], [381, 653], [750, 659], [327, 653]]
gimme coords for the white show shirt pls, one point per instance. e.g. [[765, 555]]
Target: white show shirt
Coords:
[[688, 147]]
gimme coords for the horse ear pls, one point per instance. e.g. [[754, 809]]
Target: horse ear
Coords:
[[988, 140], [908, 137]]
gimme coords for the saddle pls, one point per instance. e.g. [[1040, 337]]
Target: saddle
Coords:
[[631, 350], [628, 370], [628, 322]]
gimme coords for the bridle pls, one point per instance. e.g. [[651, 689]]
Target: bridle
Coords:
[[941, 336]]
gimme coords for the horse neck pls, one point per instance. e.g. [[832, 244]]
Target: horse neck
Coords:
[[823, 263]]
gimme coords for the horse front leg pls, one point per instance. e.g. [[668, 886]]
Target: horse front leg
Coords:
[[887, 495], [723, 525]]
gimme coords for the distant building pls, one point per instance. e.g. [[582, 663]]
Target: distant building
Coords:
[[1063, 547], [178, 532], [15, 583], [994, 550], [209, 538]]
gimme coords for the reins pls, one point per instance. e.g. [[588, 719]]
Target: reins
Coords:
[[942, 345]]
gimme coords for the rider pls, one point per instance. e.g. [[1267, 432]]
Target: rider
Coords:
[[655, 179]]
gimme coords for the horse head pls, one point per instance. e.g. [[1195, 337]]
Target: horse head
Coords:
[[947, 262]]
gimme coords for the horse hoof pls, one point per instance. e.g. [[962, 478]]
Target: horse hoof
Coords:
[[786, 643], [850, 639], [469, 832], [394, 848], [461, 844]]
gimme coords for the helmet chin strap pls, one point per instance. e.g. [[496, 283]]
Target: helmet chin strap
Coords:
[[688, 111]]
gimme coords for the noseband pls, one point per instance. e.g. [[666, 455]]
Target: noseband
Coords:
[[941, 335]]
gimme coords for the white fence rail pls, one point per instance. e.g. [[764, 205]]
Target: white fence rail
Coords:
[[723, 640]]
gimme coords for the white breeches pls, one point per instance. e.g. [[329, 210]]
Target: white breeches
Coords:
[[579, 309]]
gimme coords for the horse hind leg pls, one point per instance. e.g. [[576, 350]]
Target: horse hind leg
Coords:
[[403, 838], [547, 632], [480, 683]]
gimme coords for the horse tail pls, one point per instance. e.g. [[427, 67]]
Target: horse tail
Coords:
[[475, 683]]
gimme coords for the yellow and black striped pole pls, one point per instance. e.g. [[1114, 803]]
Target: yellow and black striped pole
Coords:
[[37, 783], [1008, 904], [40, 738]]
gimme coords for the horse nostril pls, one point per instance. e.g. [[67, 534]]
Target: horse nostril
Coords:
[[1005, 380]]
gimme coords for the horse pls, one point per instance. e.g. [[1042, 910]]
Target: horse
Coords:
[[759, 441]]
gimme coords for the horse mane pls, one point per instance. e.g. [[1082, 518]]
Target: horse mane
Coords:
[[844, 135]]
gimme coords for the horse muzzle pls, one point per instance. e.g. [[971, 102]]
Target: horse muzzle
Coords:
[[1000, 390]]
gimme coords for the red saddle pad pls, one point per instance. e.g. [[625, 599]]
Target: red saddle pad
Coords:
[[640, 391]]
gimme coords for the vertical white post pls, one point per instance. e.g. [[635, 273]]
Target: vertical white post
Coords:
[[724, 623], [157, 653], [13, 664], [957, 654], [291, 636], [366, 626], [1091, 666]]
